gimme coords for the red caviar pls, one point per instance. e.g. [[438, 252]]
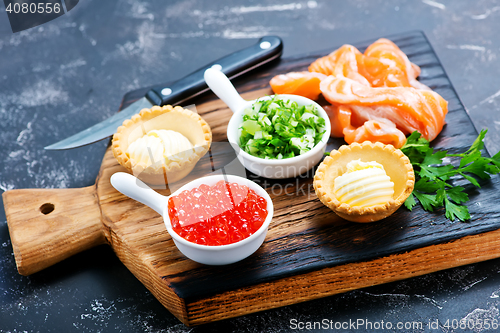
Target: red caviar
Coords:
[[221, 214]]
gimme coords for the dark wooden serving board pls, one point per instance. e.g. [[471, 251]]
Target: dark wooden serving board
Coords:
[[309, 252]]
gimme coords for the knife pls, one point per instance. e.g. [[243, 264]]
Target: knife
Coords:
[[265, 50]]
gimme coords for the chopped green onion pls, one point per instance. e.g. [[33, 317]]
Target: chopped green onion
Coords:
[[276, 129]]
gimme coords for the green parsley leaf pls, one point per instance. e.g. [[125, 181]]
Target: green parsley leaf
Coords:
[[457, 194], [434, 187], [478, 144], [424, 184], [410, 202], [440, 197], [428, 201], [459, 211], [433, 157], [433, 172]]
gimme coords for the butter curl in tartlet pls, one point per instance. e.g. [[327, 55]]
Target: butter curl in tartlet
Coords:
[[151, 168], [395, 163]]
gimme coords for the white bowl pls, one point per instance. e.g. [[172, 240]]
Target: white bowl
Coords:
[[269, 168], [204, 254]]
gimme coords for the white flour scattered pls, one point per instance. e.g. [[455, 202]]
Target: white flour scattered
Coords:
[[430, 300], [249, 32], [17, 154], [40, 67], [467, 47], [26, 134], [37, 94], [490, 99], [83, 29], [134, 9], [40, 93], [141, 11], [5, 187], [486, 14], [467, 287], [209, 22], [101, 311], [74, 64], [480, 315], [272, 8], [145, 48], [434, 4], [31, 35]]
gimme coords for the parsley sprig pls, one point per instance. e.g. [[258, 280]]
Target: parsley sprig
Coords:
[[434, 174]]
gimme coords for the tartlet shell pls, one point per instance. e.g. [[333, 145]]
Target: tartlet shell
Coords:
[[184, 121], [396, 164]]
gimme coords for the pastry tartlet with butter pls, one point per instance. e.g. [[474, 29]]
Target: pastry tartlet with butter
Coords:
[[364, 182], [161, 145]]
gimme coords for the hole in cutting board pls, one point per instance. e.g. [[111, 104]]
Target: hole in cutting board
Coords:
[[47, 208]]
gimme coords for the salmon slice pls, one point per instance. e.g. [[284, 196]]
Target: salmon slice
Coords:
[[372, 69], [341, 62], [400, 71], [381, 130], [305, 84], [375, 95], [382, 65], [340, 119], [408, 108]]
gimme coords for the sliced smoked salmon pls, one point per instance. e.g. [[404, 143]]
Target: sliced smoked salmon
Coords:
[[381, 130], [298, 83], [409, 109], [375, 95], [400, 71], [383, 64], [342, 62]]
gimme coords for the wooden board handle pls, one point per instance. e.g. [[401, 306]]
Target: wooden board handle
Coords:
[[50, 225]]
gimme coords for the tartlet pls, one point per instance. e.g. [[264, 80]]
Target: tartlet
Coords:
[[178, 119], [396, 164]]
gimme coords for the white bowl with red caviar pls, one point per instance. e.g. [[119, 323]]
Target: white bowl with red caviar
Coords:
[[240, 215], [274, 168]]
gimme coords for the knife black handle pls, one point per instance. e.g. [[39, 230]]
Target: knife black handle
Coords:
[[266, 49]]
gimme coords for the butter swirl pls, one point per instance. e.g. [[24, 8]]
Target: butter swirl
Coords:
[[160, 146], [364, 184]]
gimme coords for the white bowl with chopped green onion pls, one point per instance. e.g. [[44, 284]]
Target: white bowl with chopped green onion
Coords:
[[279, 136]]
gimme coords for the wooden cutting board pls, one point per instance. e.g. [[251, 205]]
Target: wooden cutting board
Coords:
[[309, 252]]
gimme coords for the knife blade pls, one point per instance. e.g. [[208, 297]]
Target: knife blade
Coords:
[[265, 50]]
